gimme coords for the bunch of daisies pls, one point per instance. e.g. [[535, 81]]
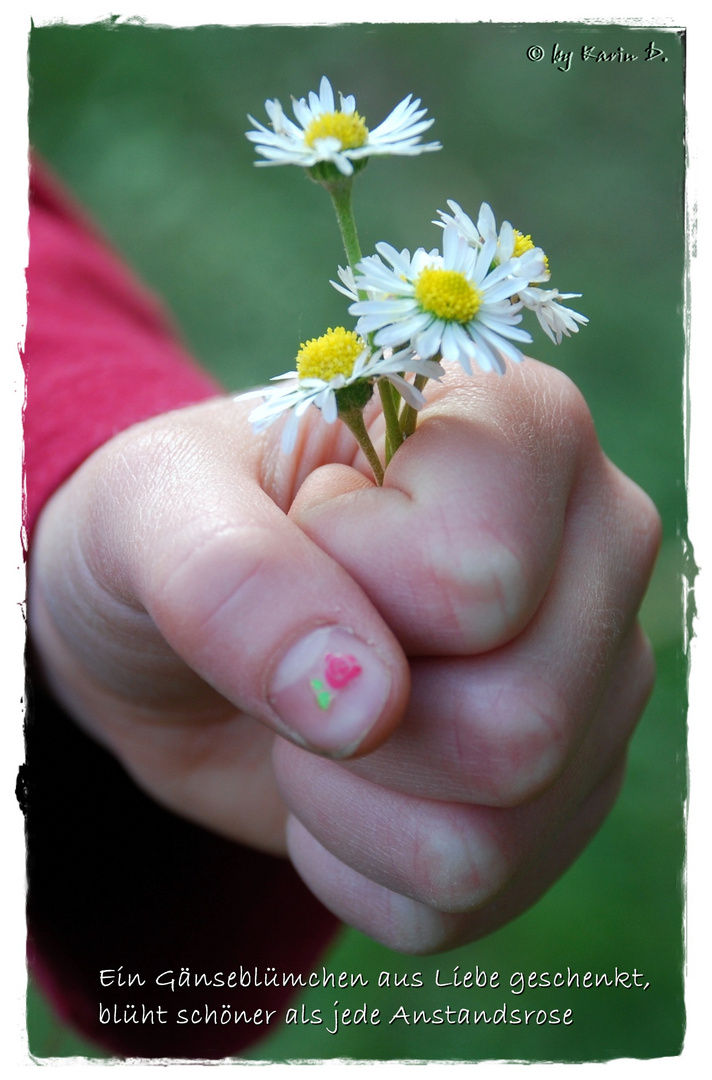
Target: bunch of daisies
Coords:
[[462, 303]]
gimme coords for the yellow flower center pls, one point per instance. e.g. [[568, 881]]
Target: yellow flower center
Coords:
[[348, 128], [334, 353], [524, 243], [448, 294]]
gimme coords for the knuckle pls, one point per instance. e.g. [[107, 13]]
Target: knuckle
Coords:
[[571, 405], [525, 744], [649, 524], [642, 672], [455, 866], [485, 590], [208, 566], [638, 526], [418, 930], [636, 505], [646, 661], [563, 410]]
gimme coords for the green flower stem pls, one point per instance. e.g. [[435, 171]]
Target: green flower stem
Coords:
[[340, 192], [409, 416], [353, 418], [389, 404]]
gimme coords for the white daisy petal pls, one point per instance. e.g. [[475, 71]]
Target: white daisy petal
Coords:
[[302, 112], [384, 309], [453, 245], [327, 404], [486, 223], [428, 341], [501, 345], [465, 224], [410, 394], [399, 260], [397, 333], [451, 347], [488, 359], [502, 290], [348, 286], [431, 369], [503, 329], [289, 433], [506, 242], [326, 95], [485, 256]]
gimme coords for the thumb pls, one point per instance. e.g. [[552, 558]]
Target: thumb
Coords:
[[167, 580]]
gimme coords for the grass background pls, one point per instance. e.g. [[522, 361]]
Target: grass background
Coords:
[[146, 125]]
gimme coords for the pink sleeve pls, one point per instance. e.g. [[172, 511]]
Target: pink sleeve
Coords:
[[99, 353]]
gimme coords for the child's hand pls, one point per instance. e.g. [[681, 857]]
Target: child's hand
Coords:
[[509, 556], [173, 601]]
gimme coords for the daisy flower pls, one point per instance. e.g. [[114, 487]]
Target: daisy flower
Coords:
[[456, 304], [348, 283], [556, 320], [324, 133], [509, 242], [329, 364]]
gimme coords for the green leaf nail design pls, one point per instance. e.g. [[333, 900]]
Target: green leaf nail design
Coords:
[[323, 697]]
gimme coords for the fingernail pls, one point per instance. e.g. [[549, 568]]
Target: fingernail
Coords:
[[329, 690]]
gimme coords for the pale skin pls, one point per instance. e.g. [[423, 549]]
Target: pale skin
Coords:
[[496, 576]]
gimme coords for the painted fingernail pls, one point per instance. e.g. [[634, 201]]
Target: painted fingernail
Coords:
[[330, 689]]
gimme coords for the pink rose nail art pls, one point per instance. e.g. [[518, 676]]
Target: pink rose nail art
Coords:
[[341, 669]]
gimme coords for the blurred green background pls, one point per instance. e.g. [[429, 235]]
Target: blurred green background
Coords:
[[146, 125]]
